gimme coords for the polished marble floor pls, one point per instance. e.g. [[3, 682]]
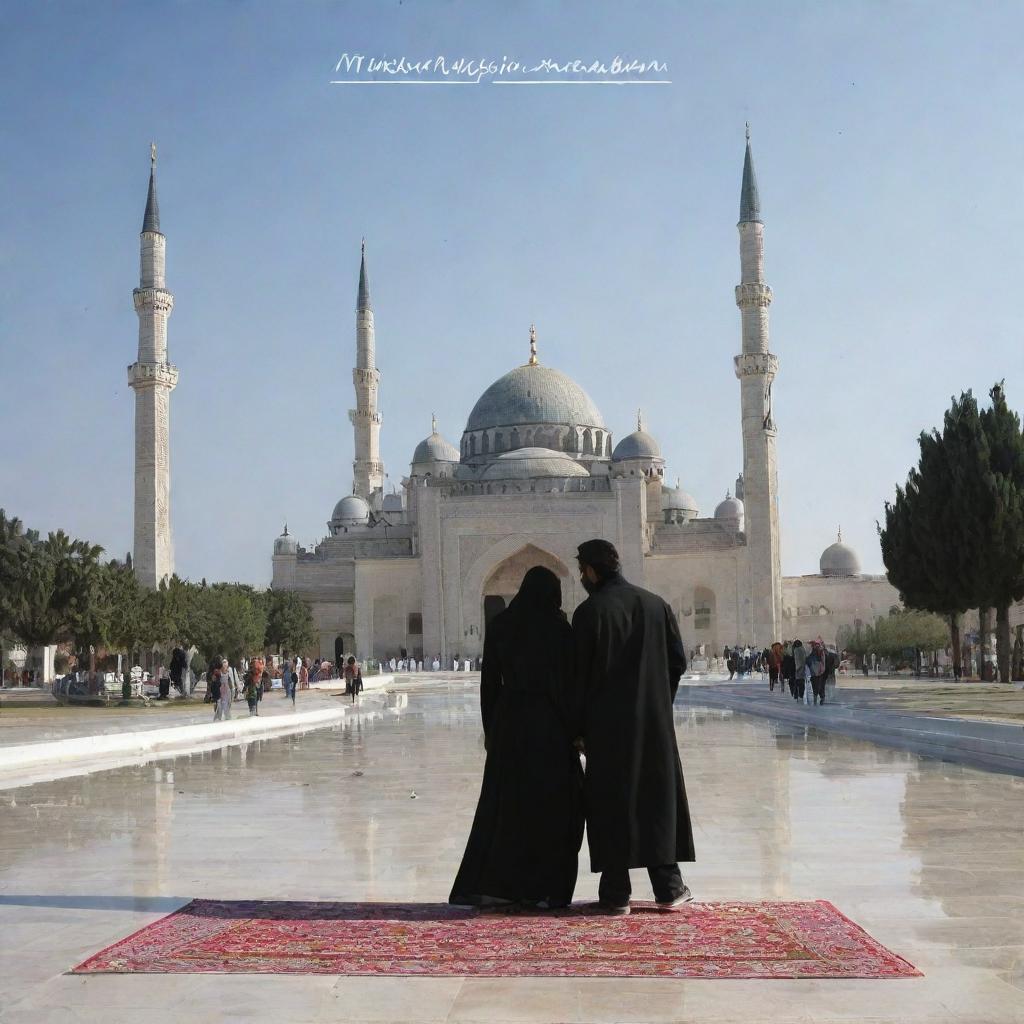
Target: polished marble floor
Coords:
[[927, 856]]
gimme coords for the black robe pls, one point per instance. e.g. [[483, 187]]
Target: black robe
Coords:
[[528, 828], [629, 659]]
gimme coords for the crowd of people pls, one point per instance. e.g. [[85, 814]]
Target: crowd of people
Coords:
[[255, 677], [805, 670]]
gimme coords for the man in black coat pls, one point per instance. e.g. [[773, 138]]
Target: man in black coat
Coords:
[[629, 659]]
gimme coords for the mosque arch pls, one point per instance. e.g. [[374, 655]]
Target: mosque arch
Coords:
[[472, 444], [528, 440], [495, 567], [485, 444], [513, 441], [499, 441], [588, 442]]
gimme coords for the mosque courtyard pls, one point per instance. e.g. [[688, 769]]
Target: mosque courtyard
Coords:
[[926, 856]]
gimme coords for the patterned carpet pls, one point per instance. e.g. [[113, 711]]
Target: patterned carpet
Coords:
[[701, 940]]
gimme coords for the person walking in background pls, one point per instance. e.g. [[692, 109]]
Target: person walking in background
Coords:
[[228, 678], [353, 678], [629, 659], [303, 674], [253, 685], [789, 668], [799, 663], [286, 677], [774, 657], [215, 685], [816, 668]]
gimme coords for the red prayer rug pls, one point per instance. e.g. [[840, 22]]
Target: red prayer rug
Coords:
[[699, 940]]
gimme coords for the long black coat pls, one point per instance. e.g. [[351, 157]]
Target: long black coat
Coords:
[[629, 659], [528, 826]]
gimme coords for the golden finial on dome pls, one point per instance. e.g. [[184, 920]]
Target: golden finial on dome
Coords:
[[433, 423], [152, 154], [639, 419], [533, 346]]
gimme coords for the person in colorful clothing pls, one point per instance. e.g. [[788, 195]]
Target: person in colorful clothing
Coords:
[[253, 685]]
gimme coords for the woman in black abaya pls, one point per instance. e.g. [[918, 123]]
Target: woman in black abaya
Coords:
[[528, 827]]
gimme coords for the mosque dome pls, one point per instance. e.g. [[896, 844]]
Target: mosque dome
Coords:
[[435, 448], [675, 499], [351, 511], [839, 559], [638, 445], [534, 394], [286, 544], [531, 463], [730, 510]]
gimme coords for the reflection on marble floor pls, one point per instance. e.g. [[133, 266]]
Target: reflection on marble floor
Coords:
[[927, 856]]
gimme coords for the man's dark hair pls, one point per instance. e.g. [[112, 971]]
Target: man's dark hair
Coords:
[[601, 556]]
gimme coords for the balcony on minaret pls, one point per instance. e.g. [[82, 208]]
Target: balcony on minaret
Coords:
[[152, 375]]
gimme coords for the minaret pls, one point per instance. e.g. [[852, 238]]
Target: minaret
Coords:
[[756, 368], [367, 469], [152, 378]]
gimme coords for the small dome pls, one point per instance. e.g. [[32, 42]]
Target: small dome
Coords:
[[351, 511], [675, 499], [393, 503], [530, 463], [286, 544], [435, 449], [730, 509], [638, 445], [839, 559]]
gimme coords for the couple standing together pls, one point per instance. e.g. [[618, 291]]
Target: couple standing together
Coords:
[[604, 687]]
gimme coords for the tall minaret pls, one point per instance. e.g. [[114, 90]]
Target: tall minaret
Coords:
[[152, 378], [756, 368], [367, 469]]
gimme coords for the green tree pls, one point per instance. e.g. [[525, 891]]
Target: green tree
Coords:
[[289, 621], [53, 587], [1002, 518], [228, 620]]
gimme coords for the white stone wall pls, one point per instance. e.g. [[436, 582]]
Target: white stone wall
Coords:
[[818, 605]]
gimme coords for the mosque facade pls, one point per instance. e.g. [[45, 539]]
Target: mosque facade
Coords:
[[535, 473]]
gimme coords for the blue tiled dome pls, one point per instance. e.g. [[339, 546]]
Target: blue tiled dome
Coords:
[[534, 394]]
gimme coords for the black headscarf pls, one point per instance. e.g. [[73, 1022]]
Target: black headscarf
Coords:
[[540, 594]]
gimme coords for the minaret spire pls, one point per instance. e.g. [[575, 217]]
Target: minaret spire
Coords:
[[756, 368], [750, 200], [533, 346], [363, 297], [639, 419], [367, 468], [152, 378], [151, 218]]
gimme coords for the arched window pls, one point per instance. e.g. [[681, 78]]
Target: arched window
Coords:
[[472, 444], [499, 441], [513, 441], [528, 443], [608, 445], [588, 442], [485, 444]]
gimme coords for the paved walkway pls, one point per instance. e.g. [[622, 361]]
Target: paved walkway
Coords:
[[926, 856], [913, 718]]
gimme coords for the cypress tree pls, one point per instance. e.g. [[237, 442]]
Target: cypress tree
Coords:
[[1002, 517]]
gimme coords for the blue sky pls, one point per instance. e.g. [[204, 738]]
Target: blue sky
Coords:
[[888, 144]]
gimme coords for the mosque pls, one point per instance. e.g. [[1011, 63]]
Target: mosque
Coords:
[[536, 472]]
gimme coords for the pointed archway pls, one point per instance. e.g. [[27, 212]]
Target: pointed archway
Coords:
[[505, 578]]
